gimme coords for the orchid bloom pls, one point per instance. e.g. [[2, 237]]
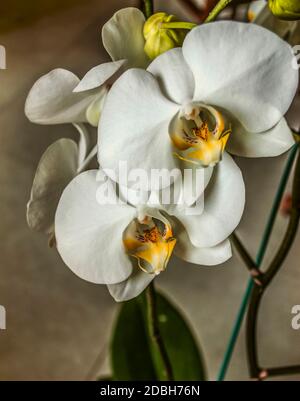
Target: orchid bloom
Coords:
[[61, 97], [228, 87], [125, 246], [56, 98]]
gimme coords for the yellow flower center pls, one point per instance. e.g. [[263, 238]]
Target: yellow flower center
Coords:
[[151, 242], [200, 135]]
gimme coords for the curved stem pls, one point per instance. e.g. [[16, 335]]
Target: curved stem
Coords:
[[291, 229], [217, 9], [258, 292], [244, 254], [84, 141], [251, 329], [154, 330], [87, 160], [284, 370], [148, 7]]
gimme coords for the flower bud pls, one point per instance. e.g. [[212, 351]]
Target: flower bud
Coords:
[[285, 9], [163, 32]]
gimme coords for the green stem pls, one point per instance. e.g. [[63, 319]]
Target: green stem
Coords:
[[153, 326], [259, 258], [148, 6], [217, 9], [178, 25]]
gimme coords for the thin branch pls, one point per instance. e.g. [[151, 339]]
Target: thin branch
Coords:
[[254, 287], [291, 229], [247, 259], [282, 371], [217, 9], [148, 8], [258, 292], [153, 325]]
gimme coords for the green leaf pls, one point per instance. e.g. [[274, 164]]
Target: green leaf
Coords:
[[130, 353], [182, 349], [134, 354]]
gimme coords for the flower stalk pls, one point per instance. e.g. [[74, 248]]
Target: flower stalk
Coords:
[[148, 7], [153, 327], [178, 25], [217, 9], [257, 293]]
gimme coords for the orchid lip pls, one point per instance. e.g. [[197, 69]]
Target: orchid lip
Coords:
[[150, 241], [199, 134]]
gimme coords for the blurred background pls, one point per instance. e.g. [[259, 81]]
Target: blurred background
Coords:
[[58, 326]]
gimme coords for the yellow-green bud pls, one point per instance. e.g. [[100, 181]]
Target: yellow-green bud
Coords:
[[285, 9], [163, 32]]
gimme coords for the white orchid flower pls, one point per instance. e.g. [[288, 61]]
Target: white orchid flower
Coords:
[[230, 81], [125, 246], [60, 97]]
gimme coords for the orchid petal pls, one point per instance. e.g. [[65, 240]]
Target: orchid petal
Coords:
[[94, 110], [134, 126], [122, 37], [274, 142], [98, 75], [83, 143], [132, 287], [206, 256], [55, 170], [89, 231], [174, 75], [244, 69], [51, 99], [214, 217]]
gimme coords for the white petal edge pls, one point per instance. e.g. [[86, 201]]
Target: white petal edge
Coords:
[[274, 142], [132, 287], [212, 221], [210, 256], [51, 99], [243, 68], [55, 170], [98, 75], [122, 37], [89, 235]]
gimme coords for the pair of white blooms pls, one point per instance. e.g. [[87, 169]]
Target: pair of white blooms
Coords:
[[226, 90]]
